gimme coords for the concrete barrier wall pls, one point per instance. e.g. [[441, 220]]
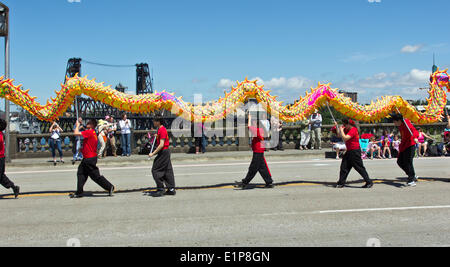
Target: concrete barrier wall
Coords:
[[33, 146]]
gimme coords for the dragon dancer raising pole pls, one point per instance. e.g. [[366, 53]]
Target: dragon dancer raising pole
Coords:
[[88, 166], [352, 157]]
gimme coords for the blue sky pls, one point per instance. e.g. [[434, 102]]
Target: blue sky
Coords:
[[198, 46]]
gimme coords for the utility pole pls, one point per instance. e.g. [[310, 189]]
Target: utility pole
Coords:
[[4, 32]]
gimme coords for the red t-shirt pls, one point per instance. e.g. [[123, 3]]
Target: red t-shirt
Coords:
[[353, 142], [2, 146], [162, 134], [257, 133], [90, 142], [407, 138]]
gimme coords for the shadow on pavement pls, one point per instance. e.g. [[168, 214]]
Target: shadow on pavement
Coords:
[[397, 182], [59, 193]]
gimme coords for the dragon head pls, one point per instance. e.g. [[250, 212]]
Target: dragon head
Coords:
[[441, 79]]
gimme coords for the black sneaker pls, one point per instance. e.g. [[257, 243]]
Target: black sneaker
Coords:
[[340, 186], [269, 186], [157, 194], [74, 195], [368, 185], [16, 190], [241, 185], [171, 192], [111, 191]]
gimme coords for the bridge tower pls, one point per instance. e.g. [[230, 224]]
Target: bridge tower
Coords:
[[144, 82]]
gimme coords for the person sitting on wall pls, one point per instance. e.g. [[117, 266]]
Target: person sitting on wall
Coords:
[[374, 146], [337, 143]]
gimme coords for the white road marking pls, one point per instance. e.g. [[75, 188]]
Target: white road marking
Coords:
[[296, 213], [287, 213], [175, 166], [246, 163], [349, 211], [383, 209], [204, 165], [204, 173]]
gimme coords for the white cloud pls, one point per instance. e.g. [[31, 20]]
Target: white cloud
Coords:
[[380, 84], [368, 88], [198, 80], [288, 89], [225, 83], [411, 49], [415, 77], [359, 57], [293, 83], [420, 75]]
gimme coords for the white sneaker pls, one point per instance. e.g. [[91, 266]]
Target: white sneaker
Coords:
[[411, 184]]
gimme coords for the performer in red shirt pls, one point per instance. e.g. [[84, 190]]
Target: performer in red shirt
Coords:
[[258, 163], [162, 170], [88, 166], [352, 158], [4, 180], [407, 147]]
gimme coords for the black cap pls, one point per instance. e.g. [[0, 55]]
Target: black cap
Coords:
[[397, 117], [158, 119]]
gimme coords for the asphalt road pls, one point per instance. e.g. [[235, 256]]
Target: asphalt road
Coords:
[[303, 210]]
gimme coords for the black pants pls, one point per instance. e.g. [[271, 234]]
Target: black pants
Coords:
[[88, 168], [199, 142], [258, 164], [162, 171], [405, 161], [352, 159], [280, 140], [4, 180]]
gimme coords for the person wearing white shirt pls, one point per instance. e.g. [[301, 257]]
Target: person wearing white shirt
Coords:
[[277, 125], [265, 124], [55, 142], [111, 134], [125, 128], [315, 123], [305, 135], [102, 138]]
